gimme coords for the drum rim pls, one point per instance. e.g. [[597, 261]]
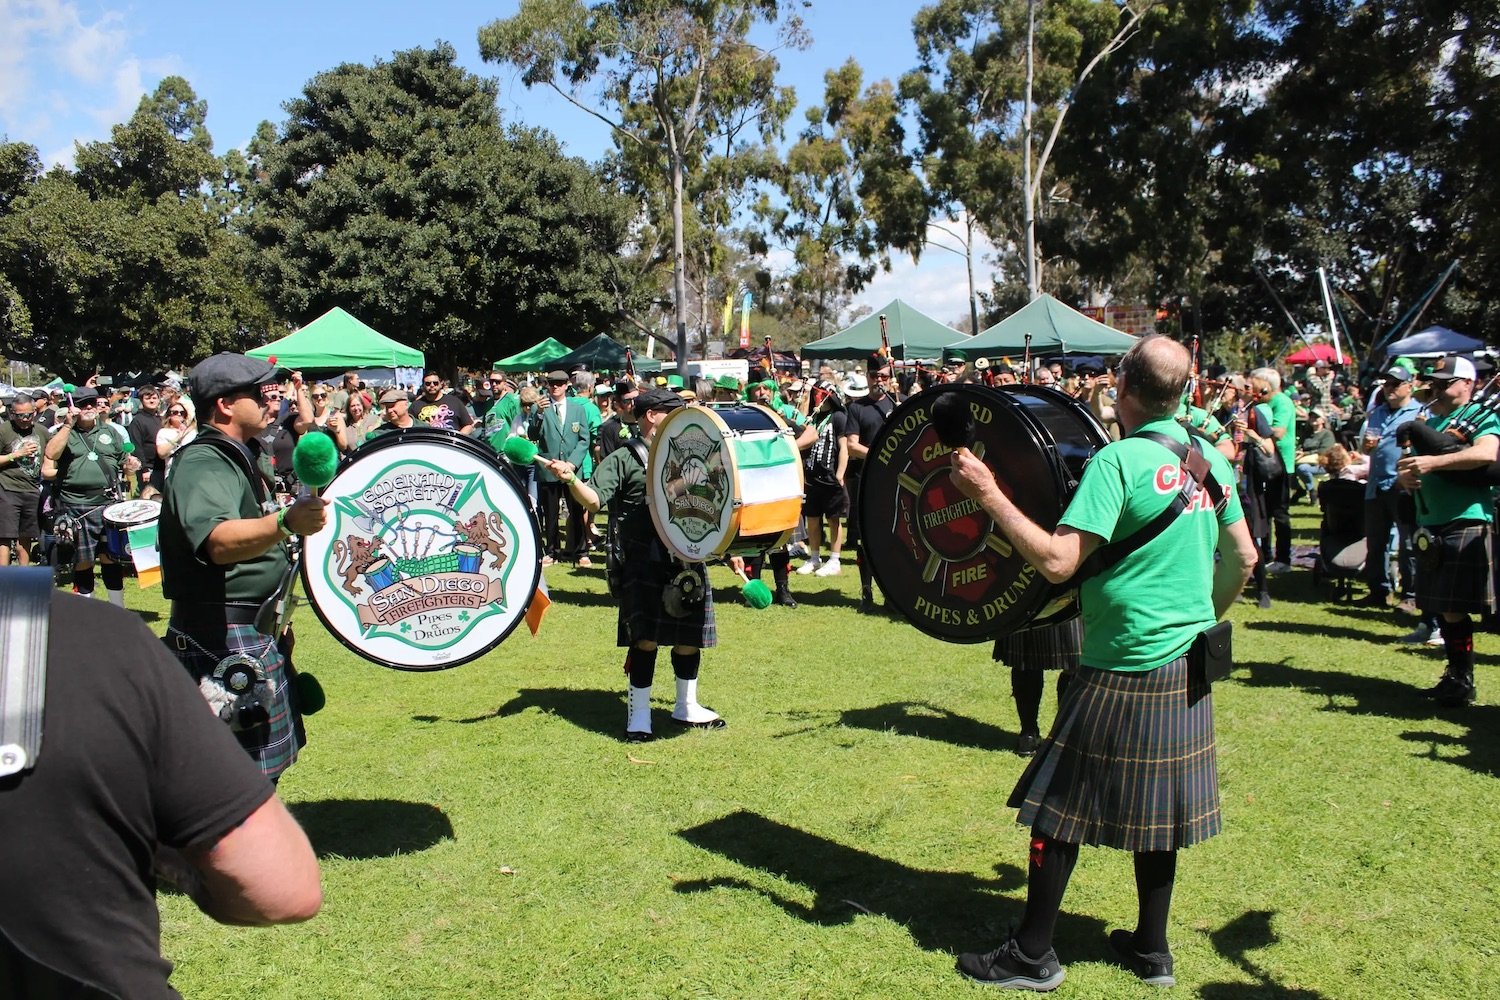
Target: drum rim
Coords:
[[481, 451], [731, 463], [131, 524], [1036, 597]]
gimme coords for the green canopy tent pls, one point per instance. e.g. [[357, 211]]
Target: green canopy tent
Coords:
[[534, 359], [912, 335], [1054, 328], [336, 342], [604, 353]]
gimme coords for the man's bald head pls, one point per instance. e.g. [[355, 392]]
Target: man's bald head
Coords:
[[1154, 373]]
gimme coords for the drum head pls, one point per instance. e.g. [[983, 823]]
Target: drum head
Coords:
[[431, 554], [938, 557], [693, 478], [132, 512]]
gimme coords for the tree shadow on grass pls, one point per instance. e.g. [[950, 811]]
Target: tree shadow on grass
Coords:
[[358, 829], [1393, 700], [943, 911], [1249, 932], [1320, 630], [927, 721]]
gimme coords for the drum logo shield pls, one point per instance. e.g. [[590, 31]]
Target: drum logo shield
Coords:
[[695, 483], [420, 555]]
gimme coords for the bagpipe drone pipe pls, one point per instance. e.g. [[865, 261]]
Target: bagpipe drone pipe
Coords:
[[1423, 439]]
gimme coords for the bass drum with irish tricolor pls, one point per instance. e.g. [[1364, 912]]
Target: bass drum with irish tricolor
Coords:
[[431, 554], [938, 557]]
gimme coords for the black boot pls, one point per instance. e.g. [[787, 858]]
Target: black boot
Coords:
[[867, 604], [784, 597]]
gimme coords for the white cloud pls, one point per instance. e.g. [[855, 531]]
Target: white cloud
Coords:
[[67, 76], [938, 284]]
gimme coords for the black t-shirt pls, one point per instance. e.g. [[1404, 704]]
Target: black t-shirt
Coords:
[[822, 459], [131, 757], [449, 411], [279, 441], [866, 416], [613, 433], [142, 430]]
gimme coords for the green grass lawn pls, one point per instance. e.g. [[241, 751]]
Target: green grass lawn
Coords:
[[485, 833]]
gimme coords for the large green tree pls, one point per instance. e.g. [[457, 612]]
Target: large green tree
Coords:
[[393, 191], [670, 78]]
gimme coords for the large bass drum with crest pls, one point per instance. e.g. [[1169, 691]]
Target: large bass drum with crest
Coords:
[[938, 557], [431, 554]]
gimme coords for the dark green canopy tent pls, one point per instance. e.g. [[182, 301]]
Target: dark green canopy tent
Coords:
[[1054, 328], [534, 359], [912, 335], [604, 353]]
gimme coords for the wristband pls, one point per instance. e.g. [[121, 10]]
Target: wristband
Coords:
[[281, 523], [570, 480]]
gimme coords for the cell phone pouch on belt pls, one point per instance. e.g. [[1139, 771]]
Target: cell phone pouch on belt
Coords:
[[1211, 655]]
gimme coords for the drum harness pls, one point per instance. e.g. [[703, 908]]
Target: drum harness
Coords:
[[683, 593]]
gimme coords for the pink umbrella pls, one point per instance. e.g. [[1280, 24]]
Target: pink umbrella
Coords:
[[1311, 355]]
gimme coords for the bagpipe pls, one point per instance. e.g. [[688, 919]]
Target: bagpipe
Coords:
[[1424, 439]]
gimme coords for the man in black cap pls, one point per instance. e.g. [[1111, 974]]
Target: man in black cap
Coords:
[[83, 459], [646, 621], [223, 557], [560, 427]]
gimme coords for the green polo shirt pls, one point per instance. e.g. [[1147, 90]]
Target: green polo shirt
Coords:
[[88, 470], [1284, 414], [205, 488], [620, 484], [1441, 499], [1145, 611]]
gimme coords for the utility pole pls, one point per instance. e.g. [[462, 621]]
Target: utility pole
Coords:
[[1033, 279]]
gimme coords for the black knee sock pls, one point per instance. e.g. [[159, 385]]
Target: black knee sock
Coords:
[[640, 664], [83, 580], [1458, 643], [1063, 680], [753, 566], [1047, 877], [685, 665], [779, 562], [113, 575], [866, 573], [1026, 689], [1155, 871], [1260, 576]]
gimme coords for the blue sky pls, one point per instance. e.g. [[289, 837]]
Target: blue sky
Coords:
[[70, 69]]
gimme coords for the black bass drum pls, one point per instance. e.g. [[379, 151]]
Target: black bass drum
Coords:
[[431, 554], [938, 557]]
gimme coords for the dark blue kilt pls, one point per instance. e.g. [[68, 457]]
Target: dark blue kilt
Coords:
[[1051, 647], [647, 570], [1130, 763]]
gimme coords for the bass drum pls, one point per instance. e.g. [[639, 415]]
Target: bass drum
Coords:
[[723, 480], [939, 558], [431, 554]]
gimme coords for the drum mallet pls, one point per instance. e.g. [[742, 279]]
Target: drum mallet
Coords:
[[755, 592]]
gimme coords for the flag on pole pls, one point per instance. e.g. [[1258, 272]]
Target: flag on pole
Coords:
[[537, 609], [145, 555], [728, 314], [745, 321]]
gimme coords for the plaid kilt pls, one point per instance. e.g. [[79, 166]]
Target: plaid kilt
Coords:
[[1130, 763], [648, 569], [90, 542], [1462, 581], [1051, 647], [273, 746]]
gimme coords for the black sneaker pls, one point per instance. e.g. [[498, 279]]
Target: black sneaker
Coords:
[[1154, 967], [1456, 695], [633, 736], [1441, 688], [867, 605], [1008, 969], [1028, 743]]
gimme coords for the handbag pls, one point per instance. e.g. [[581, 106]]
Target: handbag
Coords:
[[1211, 656]]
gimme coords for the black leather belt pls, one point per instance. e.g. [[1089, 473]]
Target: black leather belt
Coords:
[[189, 617]]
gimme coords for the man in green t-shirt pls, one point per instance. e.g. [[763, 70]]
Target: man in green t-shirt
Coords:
[[222, 557], [83, 460], [21, 444], [1454, 513], [1130, 760], [1265, 388]]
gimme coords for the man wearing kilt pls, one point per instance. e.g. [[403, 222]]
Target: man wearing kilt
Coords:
[[1130, 761], [647, 619], [1453, 520], [222, 556]]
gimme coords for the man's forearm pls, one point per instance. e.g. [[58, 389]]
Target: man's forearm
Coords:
[[245, 538]]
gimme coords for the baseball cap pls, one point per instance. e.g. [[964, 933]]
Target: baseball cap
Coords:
[[218, 376], [1452, 367], [1396, 373]]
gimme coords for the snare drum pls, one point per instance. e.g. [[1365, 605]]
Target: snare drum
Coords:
[[119, 518], [940, 560], [431, 554], [722, 480]]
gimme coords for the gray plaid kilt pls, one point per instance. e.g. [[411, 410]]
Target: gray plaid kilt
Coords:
[[1051, 647], [273, 746], [90, 541], [1462, 581], [1130, 763], [647, 569]]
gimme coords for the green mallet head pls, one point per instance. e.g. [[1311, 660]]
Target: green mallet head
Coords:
[[757, 594], [519, 450]]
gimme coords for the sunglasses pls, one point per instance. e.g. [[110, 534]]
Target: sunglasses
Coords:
[[177, 413], [320, 395], [431, 381]]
